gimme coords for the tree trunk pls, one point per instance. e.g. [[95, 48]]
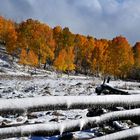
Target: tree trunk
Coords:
[[51, 129], [130, 134], [67, 102]]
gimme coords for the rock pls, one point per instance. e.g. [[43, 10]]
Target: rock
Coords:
[[62, 84], [66, 136], [39, 121], [136, 120], [98, 90], [46, 92], [117, 125], [99, 134], [20, 96], [20, 119], [78, 117], [54, 120], [79, 84], [48, 113], [13, 93], [56, 90], [32, 116], [46, 88], [94, 112], [32, 89], [55, 113], [6, 121], [8, 90]]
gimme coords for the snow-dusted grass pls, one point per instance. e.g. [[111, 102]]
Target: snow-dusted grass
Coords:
[[46, 85]]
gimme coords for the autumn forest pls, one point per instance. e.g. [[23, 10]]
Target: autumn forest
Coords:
[[36, 44]]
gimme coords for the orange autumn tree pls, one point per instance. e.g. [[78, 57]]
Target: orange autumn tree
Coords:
[[38, 43], [63, 38], [64, 54], [28, 57], [57, 35], [69, 60], [8, 34], [80, 40], [121, 56], [37, 37], [83, 52], [59, 62], [100, 57], [136, 50], [134, 73], [65, 60]]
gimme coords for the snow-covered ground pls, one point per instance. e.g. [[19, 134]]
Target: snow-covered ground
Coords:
[[18, 82]]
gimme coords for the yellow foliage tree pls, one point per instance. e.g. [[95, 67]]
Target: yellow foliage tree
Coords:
[[121, 57], [59, 62], [65, 60], [100, 56], [28, 57], [69, 60], [8, 34], [38, 37], [83, 52], [136, 50]]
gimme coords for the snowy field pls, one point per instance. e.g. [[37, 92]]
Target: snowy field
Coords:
[[17, 82]]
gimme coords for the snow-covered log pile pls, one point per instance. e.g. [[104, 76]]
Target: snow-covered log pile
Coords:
[[67, 102], [51, 129], [47, 103]]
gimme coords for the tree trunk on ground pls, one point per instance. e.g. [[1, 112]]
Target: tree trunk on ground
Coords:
[[51, 129], [67, 102]]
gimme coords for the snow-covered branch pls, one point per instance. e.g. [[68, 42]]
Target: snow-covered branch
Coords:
[[66, 102], [122, 135], [67, 126]]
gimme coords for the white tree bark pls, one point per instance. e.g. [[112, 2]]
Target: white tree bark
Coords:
[[51, 129], [66, 102]]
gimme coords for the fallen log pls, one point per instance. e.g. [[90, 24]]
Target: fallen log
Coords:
[[107, 89], [67, 102], [51, 129], [130, 134]]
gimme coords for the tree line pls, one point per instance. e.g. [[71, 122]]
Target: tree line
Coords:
[[37, 44]]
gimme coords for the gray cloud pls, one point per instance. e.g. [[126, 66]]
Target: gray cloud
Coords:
[[100, 18]]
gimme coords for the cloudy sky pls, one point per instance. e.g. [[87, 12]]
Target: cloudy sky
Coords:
[[99, 18]]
